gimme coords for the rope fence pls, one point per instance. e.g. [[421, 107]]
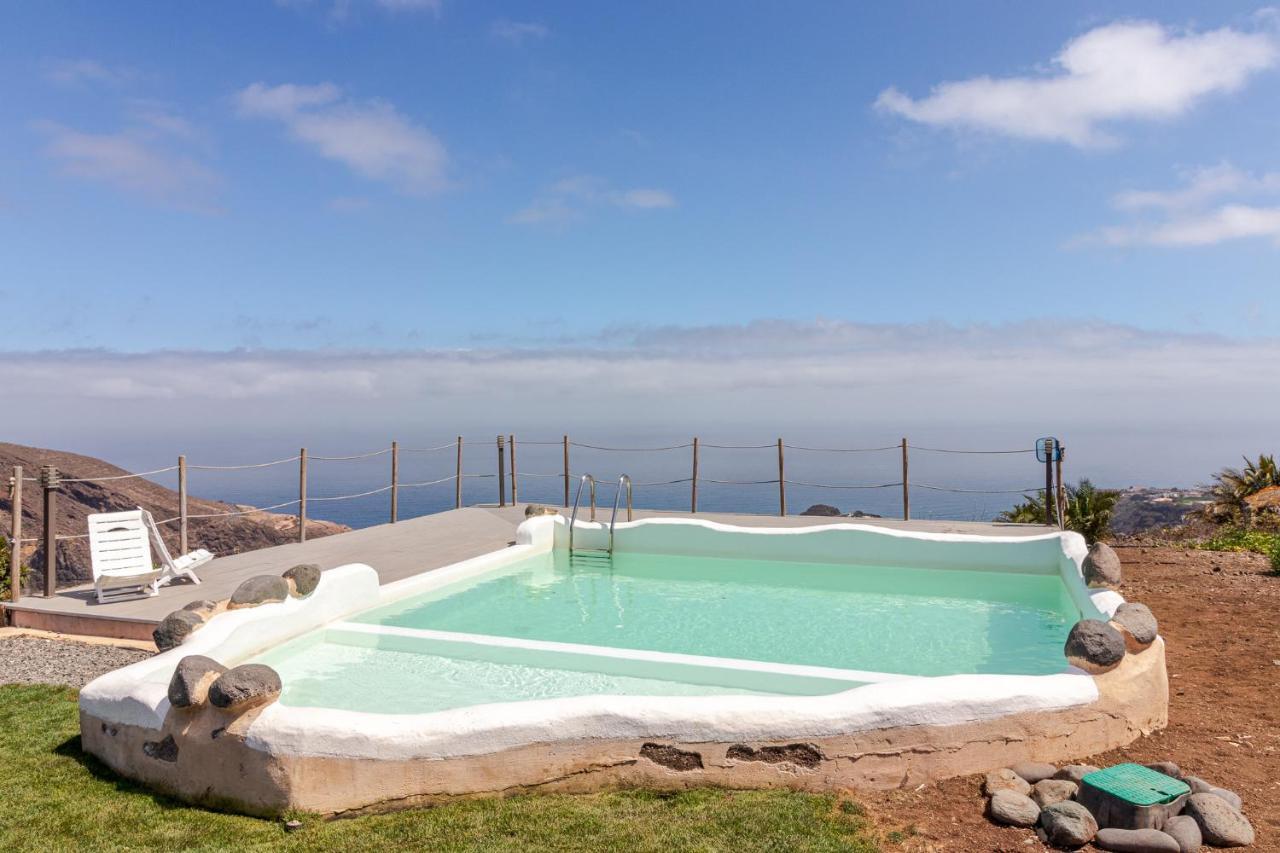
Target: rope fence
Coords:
[[1047, 451]]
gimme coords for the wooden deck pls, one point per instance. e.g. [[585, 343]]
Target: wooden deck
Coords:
[[395, 551]]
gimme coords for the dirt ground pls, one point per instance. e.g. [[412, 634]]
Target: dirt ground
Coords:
[[1219, 614]]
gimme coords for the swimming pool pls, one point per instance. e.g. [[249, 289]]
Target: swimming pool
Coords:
[[549, 626], [694, 653]]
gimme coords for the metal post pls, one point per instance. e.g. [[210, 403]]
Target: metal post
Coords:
[[693, 498], [395, 481], [457, 479], [302, 495], [15, 529], [182, 505], [1062, 490], [906, 490], [51, 482], [1049, 498], [514, 500], [782, 483], [502, 471], [566, 472]]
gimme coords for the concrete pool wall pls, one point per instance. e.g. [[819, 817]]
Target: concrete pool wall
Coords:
[[274, 757]]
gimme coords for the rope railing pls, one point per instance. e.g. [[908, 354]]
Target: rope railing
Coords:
[[369, 455], [628, 449], [506, 475], [840, 449], [978, 452], [246, 466]]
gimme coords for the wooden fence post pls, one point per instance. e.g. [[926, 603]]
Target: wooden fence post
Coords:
[[1049, 498], [51, 482], [457, 478], [566, 472], [302, 495], [15, 528], [1062, 490], [395, 481], [514, 486], [782, 483], [693, 498], [502, 471], [906, 490], [182, 505]]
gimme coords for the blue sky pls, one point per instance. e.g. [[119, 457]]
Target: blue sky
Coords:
[[510, 181]]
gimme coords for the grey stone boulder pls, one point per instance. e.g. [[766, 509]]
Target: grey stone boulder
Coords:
[[1184, 830], [1136, 841], [1005, 780], [1168, 768], [202, 607], [1220, 824], [533, 510], [302, 579], [1139, 628], [1075, 772], [1046, 792], [1101, 566], [1230, 796], [246, 686], [1197, 785], [191, 680], [1034, 771], [175, 628], [261, 589], [1013, 809], [1094, 646], [1068, 824], [826, 510]]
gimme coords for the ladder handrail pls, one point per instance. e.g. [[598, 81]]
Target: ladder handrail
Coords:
[[623, 481], [614, 518], [576, 498]]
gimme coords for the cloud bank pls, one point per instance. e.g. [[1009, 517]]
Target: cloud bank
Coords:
[[1131, 70]]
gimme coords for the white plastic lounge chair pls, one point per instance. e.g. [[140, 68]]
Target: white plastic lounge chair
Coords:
[[184, 566], [120, 550]]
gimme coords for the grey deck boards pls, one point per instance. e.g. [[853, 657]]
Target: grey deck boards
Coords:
[[414, 546]]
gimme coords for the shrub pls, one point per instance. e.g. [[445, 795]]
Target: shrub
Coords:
[[4, 570], [1262, 542], [1088, 510]]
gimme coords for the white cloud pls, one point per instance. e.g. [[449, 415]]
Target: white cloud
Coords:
[[570, 198], [433, 6], [1210, 208], [517, 32], [1129, 70], [644, 199], [371, 138], [74, 72], [135, 161]]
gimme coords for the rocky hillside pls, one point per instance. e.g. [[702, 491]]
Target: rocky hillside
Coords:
[[77, 500]]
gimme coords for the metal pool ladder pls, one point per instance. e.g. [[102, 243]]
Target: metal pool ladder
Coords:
[[623, 482]]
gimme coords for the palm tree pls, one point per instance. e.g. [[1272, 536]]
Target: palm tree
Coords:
[[1088, 510], [1233, 485]]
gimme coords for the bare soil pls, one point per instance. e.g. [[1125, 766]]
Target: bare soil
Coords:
[[1219, 614]]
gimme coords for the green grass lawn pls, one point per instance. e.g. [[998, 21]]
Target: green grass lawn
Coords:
[[53, 797]]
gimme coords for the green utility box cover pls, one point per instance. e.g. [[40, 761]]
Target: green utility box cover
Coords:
[[1138, 785], [1130, 796]]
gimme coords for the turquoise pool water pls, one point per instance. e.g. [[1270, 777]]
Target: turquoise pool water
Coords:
[[883, 619], [422, 654]]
